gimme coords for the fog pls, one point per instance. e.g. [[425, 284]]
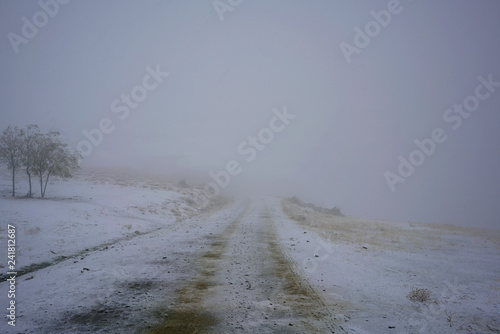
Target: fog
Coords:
[[332, 94]]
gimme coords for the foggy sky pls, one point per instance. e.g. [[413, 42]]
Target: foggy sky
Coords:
[[353, 119]]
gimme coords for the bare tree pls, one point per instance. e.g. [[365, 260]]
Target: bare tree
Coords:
[[40, 154], [53, 157], [31, 137], [10, 151]]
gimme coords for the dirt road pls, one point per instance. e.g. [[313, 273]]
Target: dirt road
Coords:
[[245, 283]]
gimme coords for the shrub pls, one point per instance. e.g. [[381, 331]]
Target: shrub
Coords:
[[419, 295], [333, 211]]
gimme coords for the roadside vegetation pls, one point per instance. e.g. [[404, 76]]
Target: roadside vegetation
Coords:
[[333, 225]]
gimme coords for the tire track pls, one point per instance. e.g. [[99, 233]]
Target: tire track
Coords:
[[297, 291], [188, 316], [247, 284]]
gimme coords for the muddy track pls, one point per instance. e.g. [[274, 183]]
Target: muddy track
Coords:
[[245, 283], [297, 290], [186, 316]]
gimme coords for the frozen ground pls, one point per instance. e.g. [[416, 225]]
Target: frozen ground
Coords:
[[116, 252], [368, 268], [96, 207]]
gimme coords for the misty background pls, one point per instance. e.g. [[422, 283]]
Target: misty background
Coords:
[[226, 76]]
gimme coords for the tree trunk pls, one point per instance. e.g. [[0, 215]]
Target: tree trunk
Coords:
[[30, 193], [41, 184], [13, 182], [45, 187]]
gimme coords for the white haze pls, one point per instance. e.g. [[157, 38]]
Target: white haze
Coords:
[[225, 78]]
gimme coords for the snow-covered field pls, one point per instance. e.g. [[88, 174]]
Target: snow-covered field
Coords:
[[111, 251], [368, 268], [97, 207]]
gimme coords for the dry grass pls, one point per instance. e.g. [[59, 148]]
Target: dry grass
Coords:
[[387, 235], [333, 211], [360, 231], [189, 201], [419, 295]]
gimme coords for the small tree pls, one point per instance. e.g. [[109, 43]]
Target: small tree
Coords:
[[53, 157], [40, 154], [31, 138], [10, 151]]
